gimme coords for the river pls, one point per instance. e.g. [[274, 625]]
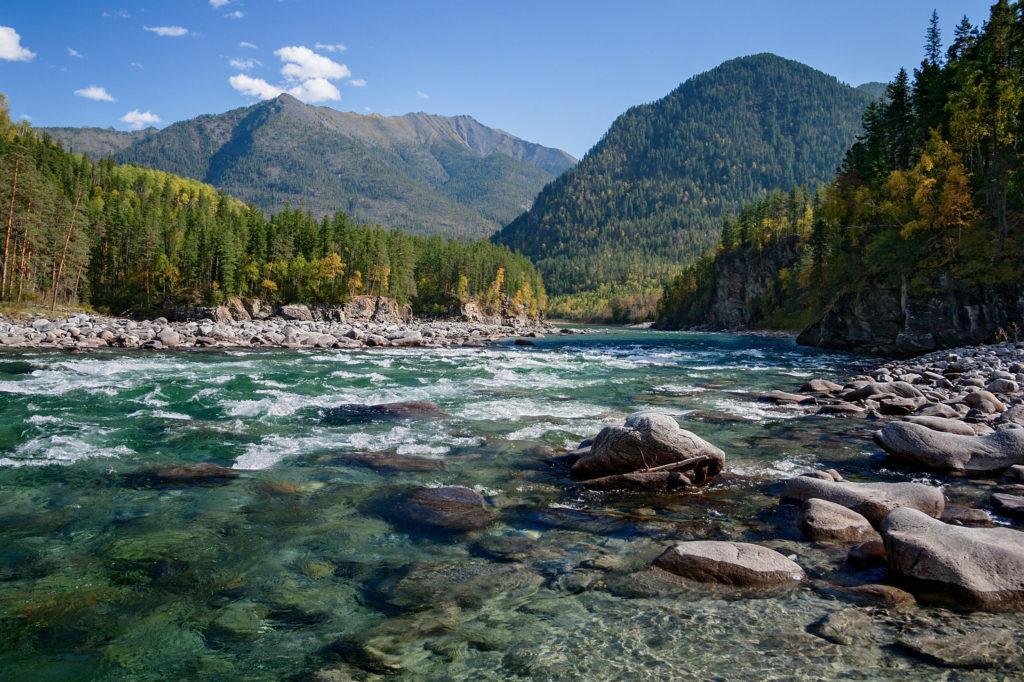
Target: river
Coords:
[[299, 564]]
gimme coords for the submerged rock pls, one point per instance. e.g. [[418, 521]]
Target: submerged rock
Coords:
[[920, 445], [388, 461], [451, 508], [843, 627], [203, 471], [977, 568], [871, 500], [355, 412], [646, 440], [988, 648], [738, 564]]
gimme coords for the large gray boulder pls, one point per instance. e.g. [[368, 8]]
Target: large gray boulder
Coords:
[[871, 500], [648, 439], [821, 520], [898, 389], [942, 424], [740, 564], [925, 447], [449, 508], [977, 568]]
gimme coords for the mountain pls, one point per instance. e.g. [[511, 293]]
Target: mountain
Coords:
[[873, 88], [649, 196], [424, 174]]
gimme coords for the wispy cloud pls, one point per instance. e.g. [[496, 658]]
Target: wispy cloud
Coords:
[[335, 47], [245, 44], [75, 53], [245, 64], [422, 95], [237, 14], [358, 82], [217, 4], [119, 14], [95, 92], [138, 119], [10, 46], [136, 65], [168, 31]]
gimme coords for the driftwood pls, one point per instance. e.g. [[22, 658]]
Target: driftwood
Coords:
[[663, 478]]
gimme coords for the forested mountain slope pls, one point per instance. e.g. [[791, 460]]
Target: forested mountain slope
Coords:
[[420, 173], [649, 196]]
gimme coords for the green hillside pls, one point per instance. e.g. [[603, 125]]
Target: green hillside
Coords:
[[926, 210], [419, 173], [649, 196], [127, 238]]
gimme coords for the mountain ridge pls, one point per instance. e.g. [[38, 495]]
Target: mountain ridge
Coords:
[[420, 172]]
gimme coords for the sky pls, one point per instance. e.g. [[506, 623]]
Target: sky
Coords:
[[555, 72]]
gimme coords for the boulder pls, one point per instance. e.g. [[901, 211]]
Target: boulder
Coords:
[[871, 500], [169, 338], [843, 627], [842, 409], [237, 309], [938, 410], [646, 440], [977, 568], [925, 447], [296, 311], [977, 398], [941, 424], [867, 556], [360, 308], [822, 520], [739, 564], [1009, 505], [898, 389], [820, 386], [451, 508]]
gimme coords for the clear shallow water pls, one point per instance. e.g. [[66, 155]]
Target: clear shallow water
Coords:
[[297, 565]]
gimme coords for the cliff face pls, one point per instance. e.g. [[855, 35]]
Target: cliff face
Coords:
[[742, 277], [894, 321]]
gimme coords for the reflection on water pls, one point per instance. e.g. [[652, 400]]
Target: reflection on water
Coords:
[[108, 571]]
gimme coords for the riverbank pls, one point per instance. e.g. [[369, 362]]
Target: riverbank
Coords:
[[80, 331]]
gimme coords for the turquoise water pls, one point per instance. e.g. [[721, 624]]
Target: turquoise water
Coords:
[[298, 565]]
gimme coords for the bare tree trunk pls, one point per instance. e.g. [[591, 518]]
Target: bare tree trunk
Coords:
[[10, 224], [78, 278], [67, 240], [24, 269]]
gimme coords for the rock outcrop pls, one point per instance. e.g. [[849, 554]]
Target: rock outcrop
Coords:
[[899, 321]]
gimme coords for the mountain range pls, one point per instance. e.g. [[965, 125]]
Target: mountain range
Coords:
[[650, 195], [421, 173]]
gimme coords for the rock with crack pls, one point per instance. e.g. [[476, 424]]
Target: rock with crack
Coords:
[[649, 441]]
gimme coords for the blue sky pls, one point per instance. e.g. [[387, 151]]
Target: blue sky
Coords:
[[557, 73]]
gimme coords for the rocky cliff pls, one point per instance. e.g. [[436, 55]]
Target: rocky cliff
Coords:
[[897, 321], [741, 278]]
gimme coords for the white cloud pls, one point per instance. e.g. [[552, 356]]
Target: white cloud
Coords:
[[358, 82], [75, 53], [254, 87], [119, 14], [315, 90], [335, 47], [95, 92], [245, 44], [237, 14], [422, 95], [245, 64], [136, 65], [302, 63], [167, 31], [10, 46], [24, 117], [138, 119], [217, 4]]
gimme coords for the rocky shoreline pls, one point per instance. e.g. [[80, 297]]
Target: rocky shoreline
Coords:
[[370, 323]]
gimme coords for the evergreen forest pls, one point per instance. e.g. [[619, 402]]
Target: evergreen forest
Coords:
[[649, 197], [124, 239], [929, 194]]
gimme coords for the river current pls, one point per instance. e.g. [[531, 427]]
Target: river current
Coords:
[[298, 565]]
